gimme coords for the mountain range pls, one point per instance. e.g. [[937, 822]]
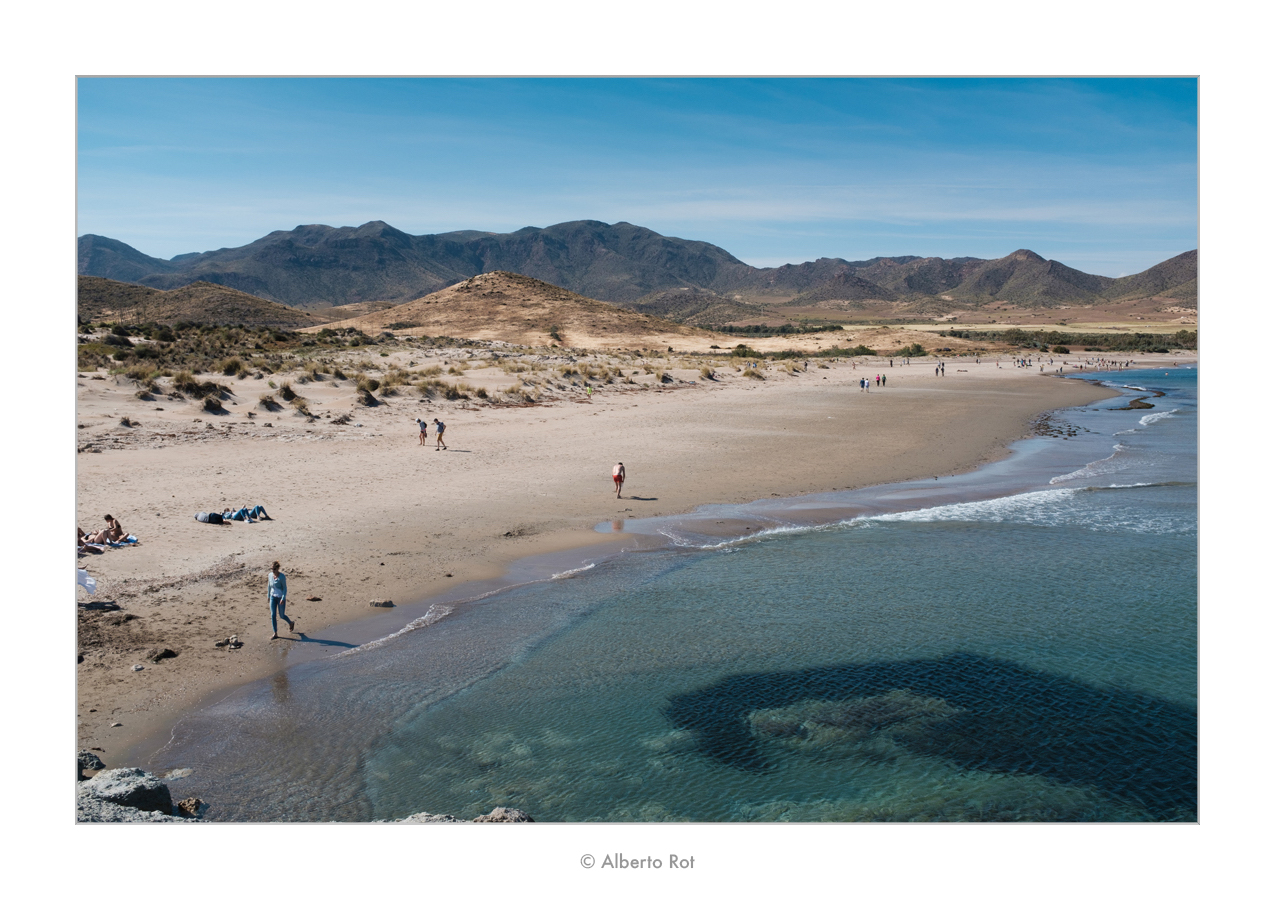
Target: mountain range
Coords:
[[315, 266]]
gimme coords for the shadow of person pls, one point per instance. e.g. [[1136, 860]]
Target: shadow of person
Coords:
[[322, 642], [999, 717]]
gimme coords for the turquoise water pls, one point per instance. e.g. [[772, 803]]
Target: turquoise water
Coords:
[[955, 652]]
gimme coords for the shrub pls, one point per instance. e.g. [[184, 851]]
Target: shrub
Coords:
[[268, 402], [365, 398], [232, 366], [142, 374], [1060, 349], [286, 391], [455, 392], [753, 373], [213, 405], [910, 350]]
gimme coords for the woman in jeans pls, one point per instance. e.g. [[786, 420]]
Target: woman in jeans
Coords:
[[277, 589], [244, 514]]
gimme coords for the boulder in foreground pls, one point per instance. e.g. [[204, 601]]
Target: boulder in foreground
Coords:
[[124, 795]]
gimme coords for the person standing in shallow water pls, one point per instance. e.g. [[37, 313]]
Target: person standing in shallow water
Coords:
[[617, 475], [277, 590]]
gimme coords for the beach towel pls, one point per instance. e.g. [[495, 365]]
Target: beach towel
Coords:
[[86, 580], [127, 541]]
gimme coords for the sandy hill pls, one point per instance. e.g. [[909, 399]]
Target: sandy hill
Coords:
[[104, 300], [518, 309]]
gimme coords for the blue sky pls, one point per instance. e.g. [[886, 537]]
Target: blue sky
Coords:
[[1100, 174]]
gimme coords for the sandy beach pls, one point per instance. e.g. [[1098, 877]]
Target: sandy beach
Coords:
[[361, 512]]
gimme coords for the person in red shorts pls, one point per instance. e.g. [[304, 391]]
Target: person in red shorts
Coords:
[[617, 475]]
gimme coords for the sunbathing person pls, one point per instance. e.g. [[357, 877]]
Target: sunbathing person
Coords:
[[82, 541], [244, 514], [113, 531]]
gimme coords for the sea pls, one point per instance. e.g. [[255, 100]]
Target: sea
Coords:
[[1016, 643]]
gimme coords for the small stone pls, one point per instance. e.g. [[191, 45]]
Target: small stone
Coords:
[[157, 654], [138, 667], [117, 724], [189, 808], [381, 603]]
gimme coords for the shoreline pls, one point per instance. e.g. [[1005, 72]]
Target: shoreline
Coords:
[[493, 557]]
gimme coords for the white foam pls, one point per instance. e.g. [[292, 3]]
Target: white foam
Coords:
[[571, 572], [1106, 466], [434, 614], [761, 534], [1155, 417], [1049, 508], [1014, 508]]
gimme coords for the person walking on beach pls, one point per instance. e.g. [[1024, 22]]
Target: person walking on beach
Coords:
[[617, 475], [424, 430], [440, 428], [277, 589]]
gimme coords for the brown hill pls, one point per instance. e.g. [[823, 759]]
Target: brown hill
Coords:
[[1174, 278], [104, 300], [694, 306], [518, 309], [100, 299], [843, 290]]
